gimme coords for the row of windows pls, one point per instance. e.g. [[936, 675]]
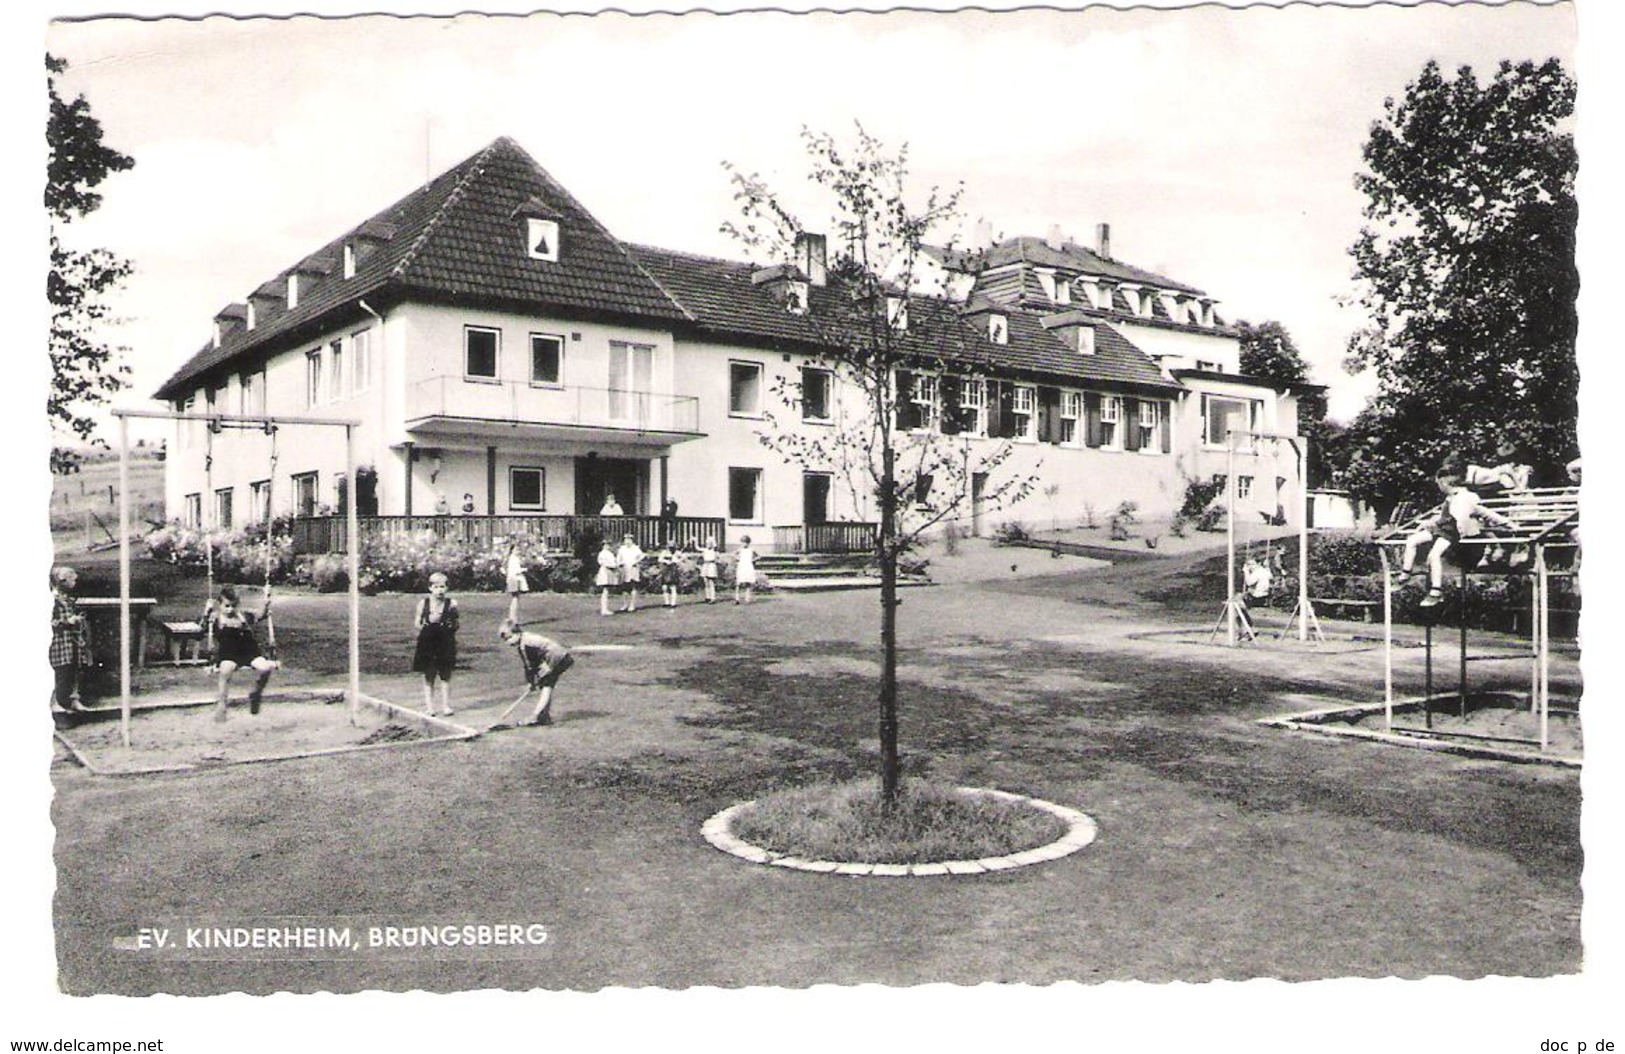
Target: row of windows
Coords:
[[339, 369], [1141, 301], [482, 356]]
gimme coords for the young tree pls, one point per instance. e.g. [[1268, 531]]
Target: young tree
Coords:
[[1268, 351], [85, 369], [1467, 270], [904, 358]]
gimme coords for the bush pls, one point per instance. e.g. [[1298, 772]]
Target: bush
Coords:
[[1121, 520], [1011, 531], [1212, 518], [1199, 494]]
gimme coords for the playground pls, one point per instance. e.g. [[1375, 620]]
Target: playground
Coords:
[[1226, 848]]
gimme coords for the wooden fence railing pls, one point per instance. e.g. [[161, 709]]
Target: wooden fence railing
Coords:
[[327, 534], [825, 538]]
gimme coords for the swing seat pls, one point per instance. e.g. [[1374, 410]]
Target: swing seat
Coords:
[[183, 643]]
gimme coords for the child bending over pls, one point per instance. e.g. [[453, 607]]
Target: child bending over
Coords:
[[545, 661]]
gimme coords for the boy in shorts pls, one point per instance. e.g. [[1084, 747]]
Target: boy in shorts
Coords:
[[545, 661]]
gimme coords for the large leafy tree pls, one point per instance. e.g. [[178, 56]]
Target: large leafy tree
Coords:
[[85, 368], [887, 349], [1467, 270], [1268, 351]]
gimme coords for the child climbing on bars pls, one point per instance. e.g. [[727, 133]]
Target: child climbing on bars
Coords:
[[1459, 517]]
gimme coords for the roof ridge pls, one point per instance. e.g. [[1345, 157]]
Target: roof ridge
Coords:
[[451, 198]]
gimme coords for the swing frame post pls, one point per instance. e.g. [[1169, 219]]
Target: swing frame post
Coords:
[[1305, 611], [212, 422]]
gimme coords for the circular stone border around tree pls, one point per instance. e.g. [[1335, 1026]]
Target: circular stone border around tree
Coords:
[[1080, 832]]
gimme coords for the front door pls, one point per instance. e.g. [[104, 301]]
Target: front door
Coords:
[[814, 498], [599, 477]]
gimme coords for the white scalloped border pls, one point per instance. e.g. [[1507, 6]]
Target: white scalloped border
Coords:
[[1081, 830]]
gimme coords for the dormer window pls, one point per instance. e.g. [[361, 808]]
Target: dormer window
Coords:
[[349, 260], [897, 313], [1063, 290], [293, 291], [795, 297], [1086, 340], [251, 314], [998, 329], [542, 239]]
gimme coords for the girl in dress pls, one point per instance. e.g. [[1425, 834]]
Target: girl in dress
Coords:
[[608, 575], [631, 560], [235, 646], [744, 570], [436, 651], [513, 569], [708, 570]]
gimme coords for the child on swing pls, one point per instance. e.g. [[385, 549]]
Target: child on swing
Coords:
[[545, 661], [1459, 517], [436, 651], [235, 646]]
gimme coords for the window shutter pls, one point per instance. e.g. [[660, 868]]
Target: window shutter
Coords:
[[1049, 414], [1165, 425], [1091, 413], [1007, 411], [1131, 424], [907, 413]]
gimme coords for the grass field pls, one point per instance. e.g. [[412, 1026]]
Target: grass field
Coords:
[[85, 507], [1226, 850]]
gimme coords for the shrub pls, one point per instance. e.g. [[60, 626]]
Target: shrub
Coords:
[[1199, 494], [329, 573], [1212, 518], [1011, 531], [1121, 520]]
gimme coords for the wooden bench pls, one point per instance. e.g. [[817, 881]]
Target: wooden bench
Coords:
[[1366, 608], [183, 642]]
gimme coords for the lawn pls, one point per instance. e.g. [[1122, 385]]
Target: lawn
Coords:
[[1225, 850]]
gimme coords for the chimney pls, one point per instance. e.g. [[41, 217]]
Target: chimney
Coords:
[[1103, 240], [982, 236], [1055, 239], [812, 256]]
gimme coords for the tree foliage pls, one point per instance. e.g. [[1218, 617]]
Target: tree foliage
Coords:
[[1269, 352], [915, 478], [1466, 267], [85, 369]]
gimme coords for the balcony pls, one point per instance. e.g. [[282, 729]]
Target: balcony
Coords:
[[455, 407]]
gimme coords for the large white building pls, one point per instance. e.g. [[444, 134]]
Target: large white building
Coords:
[[494, 340]]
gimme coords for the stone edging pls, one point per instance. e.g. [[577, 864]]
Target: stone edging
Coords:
[[1080, 832]]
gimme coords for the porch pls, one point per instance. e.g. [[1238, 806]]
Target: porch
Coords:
[[560, 533]]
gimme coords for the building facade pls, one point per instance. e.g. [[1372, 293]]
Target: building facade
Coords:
[[502, 351]]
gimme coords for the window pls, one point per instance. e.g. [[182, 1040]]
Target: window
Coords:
[[542, 239], [745, 389], [897, 313], [631, 372], [925, 401], [815, 393], [1210, 367], [304, 494], [313, 377], [480, 348], [973, 403], [1022, 401], [795, 298], [1244, 486], [745, 495], [1111, 416], [259, 500], [1071, 411], [251, 393], [361, 359], [192, 510], [222, 508], [1150, 418], [922, 490], [248, 323], [998, 329], [335, 373], [527, 487], [546, 359], [1086, 340], [1063, 289], [293, 291], [1222, 415]]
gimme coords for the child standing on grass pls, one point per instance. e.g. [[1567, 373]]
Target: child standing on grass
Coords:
[[1459, 517], [608, 575], [436, 651], [235, 646], [545, 661], [631, 561], [670, 574], [744, 570], [708, 570], [513, 570], [70, 639]]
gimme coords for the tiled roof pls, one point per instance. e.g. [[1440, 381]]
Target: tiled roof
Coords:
[[457, 236], [722, 300], [1074, 257]]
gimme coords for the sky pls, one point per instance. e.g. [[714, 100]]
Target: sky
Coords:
[[1220, 145]]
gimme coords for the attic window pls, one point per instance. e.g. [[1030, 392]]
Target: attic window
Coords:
[[293, 291], [1063, 290], [897, 313], [1086, 340], [349, 260], [251, 314], [542, 239], [998, 329], [795, 298]]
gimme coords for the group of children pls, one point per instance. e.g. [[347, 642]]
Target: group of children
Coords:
[[622, 569]]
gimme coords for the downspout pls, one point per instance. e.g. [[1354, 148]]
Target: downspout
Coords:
[[378, 364]]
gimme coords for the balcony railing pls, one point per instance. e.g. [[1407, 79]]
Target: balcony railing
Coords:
[[825, 538], [518, 403], [328, 534]]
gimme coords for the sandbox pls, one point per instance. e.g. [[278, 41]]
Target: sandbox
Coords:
[[1496, 725], [183, 736]]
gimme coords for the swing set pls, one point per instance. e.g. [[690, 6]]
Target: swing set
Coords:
[[1545, 522], [214, 424]]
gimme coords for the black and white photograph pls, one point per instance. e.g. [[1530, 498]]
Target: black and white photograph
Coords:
[[800, 527]]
